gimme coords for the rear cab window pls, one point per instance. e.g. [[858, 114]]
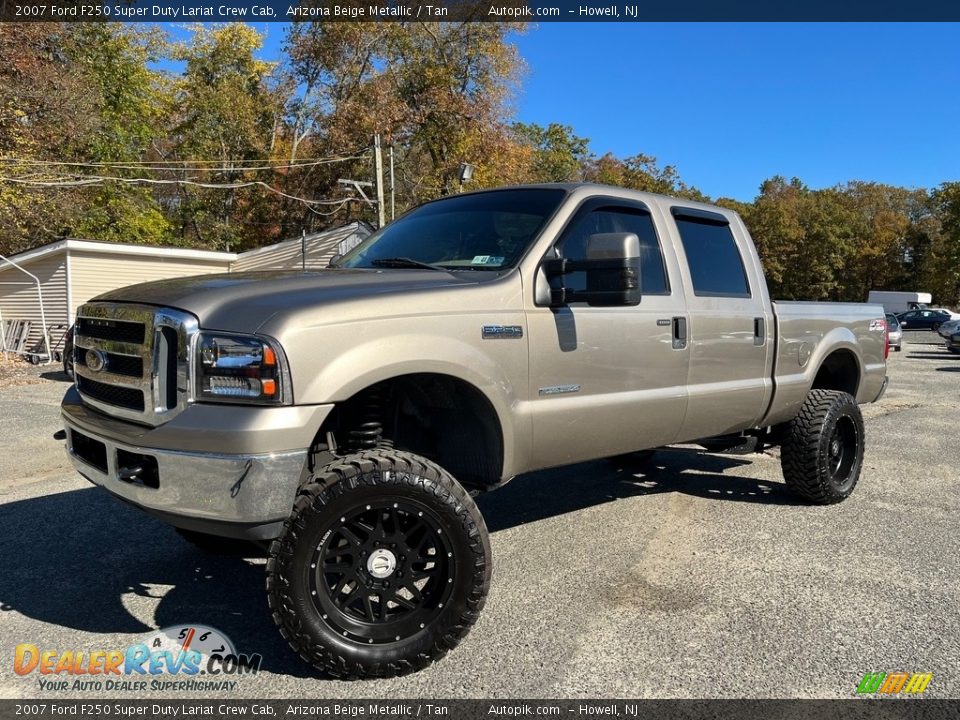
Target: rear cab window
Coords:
[[713, 257]]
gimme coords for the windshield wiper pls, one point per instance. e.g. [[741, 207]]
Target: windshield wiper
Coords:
[[405, 262]]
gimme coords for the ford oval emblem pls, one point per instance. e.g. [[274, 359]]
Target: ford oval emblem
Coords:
[[96, 360]]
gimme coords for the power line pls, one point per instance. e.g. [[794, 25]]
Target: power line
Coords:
[[171, 165], [99, 180]]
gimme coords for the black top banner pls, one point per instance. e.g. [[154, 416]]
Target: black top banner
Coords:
[[536, 11]]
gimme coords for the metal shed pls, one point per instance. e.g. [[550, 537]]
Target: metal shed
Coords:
[[310, 252]]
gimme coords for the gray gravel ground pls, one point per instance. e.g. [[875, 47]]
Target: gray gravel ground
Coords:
[[703, 578]]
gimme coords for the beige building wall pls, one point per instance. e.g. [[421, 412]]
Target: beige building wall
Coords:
[[93, 273]]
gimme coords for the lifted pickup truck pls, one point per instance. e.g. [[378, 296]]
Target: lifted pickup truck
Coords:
[[347, 416]]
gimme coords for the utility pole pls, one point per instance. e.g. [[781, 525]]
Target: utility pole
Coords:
[[378, 163], [303, 248], [393, 208]]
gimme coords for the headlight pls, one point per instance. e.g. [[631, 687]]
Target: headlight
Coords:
[[238, 368]]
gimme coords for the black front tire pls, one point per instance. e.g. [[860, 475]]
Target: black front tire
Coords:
[[823, 454], [935, 326], [68, 354], [382, 568]]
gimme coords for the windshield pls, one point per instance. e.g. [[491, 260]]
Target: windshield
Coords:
[[485, 231]]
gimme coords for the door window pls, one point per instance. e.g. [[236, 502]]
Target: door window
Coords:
[[615, 219], [716, 268]]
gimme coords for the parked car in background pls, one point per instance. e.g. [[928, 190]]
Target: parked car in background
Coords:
[[948, 311], [949, 328], [894, 332], [953, 343], [923, 319]]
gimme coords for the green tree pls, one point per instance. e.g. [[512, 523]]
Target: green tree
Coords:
[[559, 155], [799, 238], [945, 248], [639, 172], [43, 105], [225, 118], [437, 92], [131, 108]]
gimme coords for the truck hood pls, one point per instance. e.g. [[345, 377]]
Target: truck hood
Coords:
[[242, 302]]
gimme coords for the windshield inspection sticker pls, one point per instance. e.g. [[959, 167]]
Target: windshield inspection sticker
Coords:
[[487, 260]]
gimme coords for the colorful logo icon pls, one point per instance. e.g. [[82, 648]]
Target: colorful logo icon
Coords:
[[894, 683]]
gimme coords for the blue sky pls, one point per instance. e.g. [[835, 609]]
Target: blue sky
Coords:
[[732, 104]]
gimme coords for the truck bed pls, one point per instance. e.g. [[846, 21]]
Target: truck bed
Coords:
[[804, 332]]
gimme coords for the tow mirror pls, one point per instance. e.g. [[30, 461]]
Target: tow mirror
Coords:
[[612, 269]]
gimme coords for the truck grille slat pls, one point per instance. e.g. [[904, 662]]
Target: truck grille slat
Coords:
[[132, 361], [118, 364], [112, 394], [119, 330]]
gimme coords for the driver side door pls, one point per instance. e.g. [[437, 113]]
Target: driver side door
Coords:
[[608, 380]]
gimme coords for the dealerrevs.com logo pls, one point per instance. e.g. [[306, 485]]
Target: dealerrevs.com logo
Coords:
[[179, 658]]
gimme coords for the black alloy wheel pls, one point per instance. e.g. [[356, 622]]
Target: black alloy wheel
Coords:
[[842, 449], [384, 572]]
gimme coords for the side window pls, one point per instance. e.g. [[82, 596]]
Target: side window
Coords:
[[653, 276], [716, 267]]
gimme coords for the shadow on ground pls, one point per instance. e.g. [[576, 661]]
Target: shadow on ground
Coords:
[[555, 492], [81, 557], [933, 356]]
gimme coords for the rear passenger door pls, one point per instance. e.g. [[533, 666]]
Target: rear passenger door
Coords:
[[729, 381]]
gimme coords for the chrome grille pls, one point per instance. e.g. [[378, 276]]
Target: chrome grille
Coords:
[[133, 361]]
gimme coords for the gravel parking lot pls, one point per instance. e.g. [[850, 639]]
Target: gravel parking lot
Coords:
[[703, 578]]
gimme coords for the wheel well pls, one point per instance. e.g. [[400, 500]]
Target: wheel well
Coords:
[[839, 371], [440, 417]]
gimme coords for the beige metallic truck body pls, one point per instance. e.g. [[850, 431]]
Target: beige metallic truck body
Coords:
[[559, 385]]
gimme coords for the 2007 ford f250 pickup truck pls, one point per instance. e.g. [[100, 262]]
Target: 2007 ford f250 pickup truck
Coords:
[[349, 415]]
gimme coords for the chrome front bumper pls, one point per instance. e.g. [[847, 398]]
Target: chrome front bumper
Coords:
[[234, 495]]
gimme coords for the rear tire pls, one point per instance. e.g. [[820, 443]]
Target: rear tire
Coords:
[[823, 454], [382, 567]]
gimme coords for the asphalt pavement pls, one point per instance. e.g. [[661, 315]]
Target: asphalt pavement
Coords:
[[703, 578]]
